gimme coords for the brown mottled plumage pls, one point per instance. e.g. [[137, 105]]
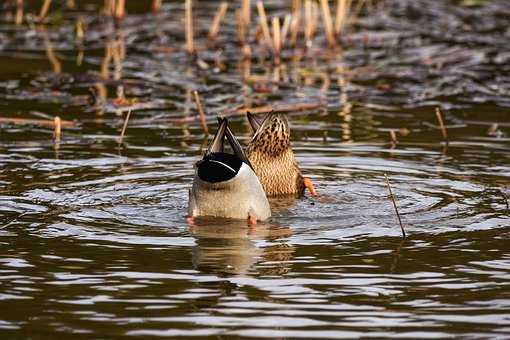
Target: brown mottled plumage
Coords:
[[271, 156]]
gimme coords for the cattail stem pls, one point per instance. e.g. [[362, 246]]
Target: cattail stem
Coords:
[[215, 26], [263, 23], [44, 9], [124, 127], [190, 47], [57, 133], [328, 23], [201, 112], [395, 206], [439, 116]]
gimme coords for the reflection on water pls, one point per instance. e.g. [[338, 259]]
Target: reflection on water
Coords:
[[93, 236]]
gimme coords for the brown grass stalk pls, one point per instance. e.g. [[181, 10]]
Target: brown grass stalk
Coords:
[[308, 22], [215, 25], [246, 11], [439, 116], [263, 24], [57, 134], [285, 29], [44, 9], [188, 7], [395, 206], [393, 137], [343, 8], [201, 112], [328, 23], [295, 22]]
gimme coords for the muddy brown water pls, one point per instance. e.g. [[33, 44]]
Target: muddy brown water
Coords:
[[93, 240]]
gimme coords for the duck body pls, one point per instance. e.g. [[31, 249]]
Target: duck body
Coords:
[[225, 185], [272, 158]]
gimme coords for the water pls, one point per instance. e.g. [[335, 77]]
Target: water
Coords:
[[93, 236]]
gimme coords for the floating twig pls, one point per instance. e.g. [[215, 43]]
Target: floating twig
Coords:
[[188, 8], [215, 25], [201, 112], [37, 122], [124, 127], [395, 205], [439, 116], [57, 134], [328, 23]]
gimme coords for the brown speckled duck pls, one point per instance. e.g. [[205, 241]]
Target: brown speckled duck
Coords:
[[272, 158]]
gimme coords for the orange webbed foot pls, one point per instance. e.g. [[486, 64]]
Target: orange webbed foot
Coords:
[[309, 185]]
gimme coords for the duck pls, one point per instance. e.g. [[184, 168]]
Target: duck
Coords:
[[225, 184], [270, 153]]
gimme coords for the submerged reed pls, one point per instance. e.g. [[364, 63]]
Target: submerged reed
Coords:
[[395, 206]]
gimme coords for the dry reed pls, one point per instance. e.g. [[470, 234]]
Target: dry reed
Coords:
[[190, 46], [44, 9], [19, 12], [37, 122], [328, 23], [120, 10], [395, 206], [263, 24], [215, 25], [439, 116], [277, 41], [201, 112], [57, 134], [156, 5], [124, 126], [393, 137]]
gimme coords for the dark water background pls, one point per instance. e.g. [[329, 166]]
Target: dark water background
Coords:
[[93, 240]]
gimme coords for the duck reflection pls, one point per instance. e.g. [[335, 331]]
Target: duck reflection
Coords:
[[233, 248]]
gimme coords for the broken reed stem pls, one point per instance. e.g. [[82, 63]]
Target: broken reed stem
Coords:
[[395, 205], [328, 23], [19, 12], [156, 5], [44, 9], [263, 23], [277, 41], [190, 47], [57, 133], [439, 116], [215, 25], [201, 112], [124, 127]]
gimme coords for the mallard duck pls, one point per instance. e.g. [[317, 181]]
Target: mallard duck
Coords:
[[270, 153], [225, 184]]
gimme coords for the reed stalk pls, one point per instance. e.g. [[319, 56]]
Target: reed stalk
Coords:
[[342, 12], [124, 126], [120, 10], [295, 21], [393, 137], [190, 46], [439, 116], [263, 24], [57, 133], [201, 112], [246, 11], [395, 206], [285, 29], [19, 12], [156, 5], [308, 22], [277, 41], [328, 23], [215, 25], [38, 122], [44, 9]]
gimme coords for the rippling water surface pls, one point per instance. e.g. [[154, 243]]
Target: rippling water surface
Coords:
[[93, 236]]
